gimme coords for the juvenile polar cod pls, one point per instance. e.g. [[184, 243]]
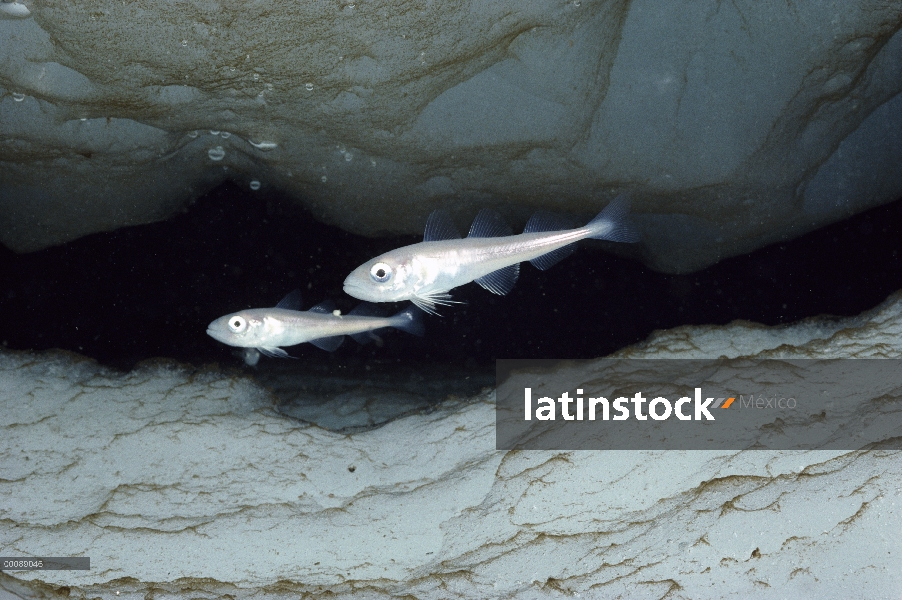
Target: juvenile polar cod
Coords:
[[266, 329], [424, 273]]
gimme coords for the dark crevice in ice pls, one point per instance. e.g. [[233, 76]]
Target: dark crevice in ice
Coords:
[[149, 291]]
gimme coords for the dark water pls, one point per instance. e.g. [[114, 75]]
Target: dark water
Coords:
[[150, 291]]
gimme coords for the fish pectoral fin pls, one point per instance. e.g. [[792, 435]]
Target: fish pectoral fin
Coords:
[[425, 305], [274, 352], [292, 301], [428, 302], [329, 344], [501, 281], [487, 224], [439, 227], [325, 307]]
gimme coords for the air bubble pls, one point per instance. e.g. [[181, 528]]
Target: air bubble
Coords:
[[216, 153], [348, 157], [225, 135], [192, 134], [214, 132], [18, 97], [254, 185], [324, 179], [308, 87], [184, 42], [256, 76]]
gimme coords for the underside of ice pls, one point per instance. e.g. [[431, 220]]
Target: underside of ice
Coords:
[[733, 125]]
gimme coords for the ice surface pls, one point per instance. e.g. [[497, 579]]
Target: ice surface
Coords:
[[191, 483], [733, 125]]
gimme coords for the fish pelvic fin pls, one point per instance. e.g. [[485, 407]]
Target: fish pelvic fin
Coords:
[[613, 223]]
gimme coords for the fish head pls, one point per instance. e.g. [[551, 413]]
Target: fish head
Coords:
[[243, 329], [386, 278]]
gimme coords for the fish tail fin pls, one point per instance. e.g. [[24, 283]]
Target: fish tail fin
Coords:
[[410, 320], [613, 223]]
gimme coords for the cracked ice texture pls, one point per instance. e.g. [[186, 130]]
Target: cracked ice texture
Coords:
[[191, 484], [733, 124]]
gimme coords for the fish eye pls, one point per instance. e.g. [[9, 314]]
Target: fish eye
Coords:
[[380, 272], [237, 324]]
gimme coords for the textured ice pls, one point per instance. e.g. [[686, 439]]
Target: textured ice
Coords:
[[733, 124], [180, 483]]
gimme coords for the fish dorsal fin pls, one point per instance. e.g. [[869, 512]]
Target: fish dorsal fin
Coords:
[[439, 227], [329, 344], [501, 281], [367, 309], [325, 307], [489, 224], [291, 302], [547, 221], [546, 261]]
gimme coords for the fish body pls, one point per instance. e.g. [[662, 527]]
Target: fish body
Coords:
[[269, 329], [424, 273]]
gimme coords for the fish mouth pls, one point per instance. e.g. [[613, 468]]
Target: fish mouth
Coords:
[[352, 286]]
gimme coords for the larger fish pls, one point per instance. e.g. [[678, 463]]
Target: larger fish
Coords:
[[267, 329], [424, 273]]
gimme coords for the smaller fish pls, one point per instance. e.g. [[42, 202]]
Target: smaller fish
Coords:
[[267, 329]]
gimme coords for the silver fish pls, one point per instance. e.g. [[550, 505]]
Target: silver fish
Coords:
[[266, 329], [424, 273]]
